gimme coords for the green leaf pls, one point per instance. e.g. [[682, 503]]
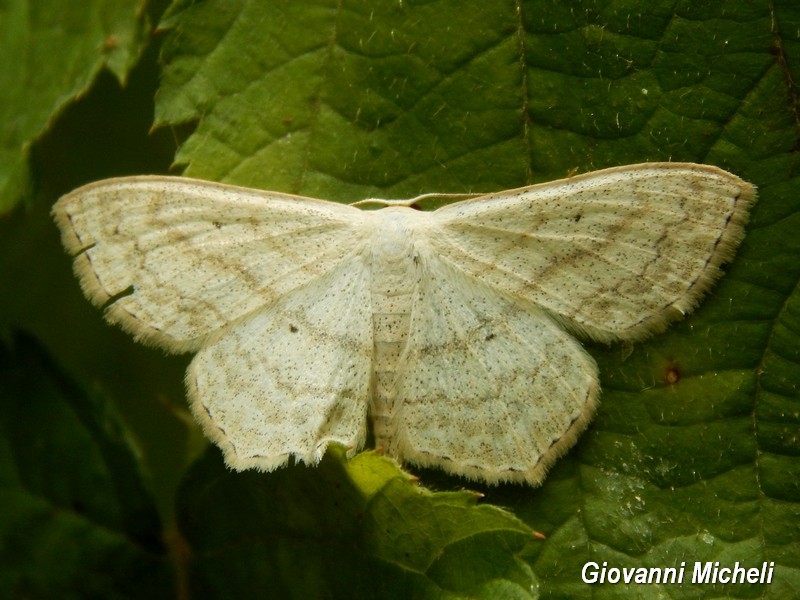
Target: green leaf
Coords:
[[369, 100], [685, 460], [344, 529], [693, 455], [50, 52], [76, 519]]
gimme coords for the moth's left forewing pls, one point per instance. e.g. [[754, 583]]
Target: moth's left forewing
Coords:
[[174, 259], [615, 254]]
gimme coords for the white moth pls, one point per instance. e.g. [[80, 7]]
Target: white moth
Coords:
[[448, 328]]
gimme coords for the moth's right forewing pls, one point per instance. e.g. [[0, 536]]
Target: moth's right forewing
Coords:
[[616, 254]]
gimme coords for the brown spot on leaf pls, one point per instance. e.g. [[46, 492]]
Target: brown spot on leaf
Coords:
[[672, 374]]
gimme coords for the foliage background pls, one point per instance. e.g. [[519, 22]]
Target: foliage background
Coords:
[[106, 488]]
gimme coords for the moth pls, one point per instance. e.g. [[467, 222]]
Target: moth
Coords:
[[452, 331]]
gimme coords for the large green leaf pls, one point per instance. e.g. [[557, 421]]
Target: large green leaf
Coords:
[[693, 455], [50, 52], [684, 462]]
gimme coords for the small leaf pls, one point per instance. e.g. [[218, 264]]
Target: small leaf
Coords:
[[345, 529], [50, 52]]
